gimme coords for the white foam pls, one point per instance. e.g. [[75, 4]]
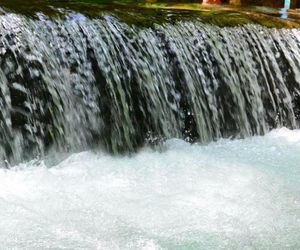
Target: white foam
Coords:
[[242, 194]]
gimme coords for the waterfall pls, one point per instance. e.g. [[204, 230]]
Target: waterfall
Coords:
[[75, 82]]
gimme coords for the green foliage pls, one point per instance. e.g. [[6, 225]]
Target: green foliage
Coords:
[[138, 12]]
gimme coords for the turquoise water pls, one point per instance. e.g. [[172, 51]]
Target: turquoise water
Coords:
[[230, 194]]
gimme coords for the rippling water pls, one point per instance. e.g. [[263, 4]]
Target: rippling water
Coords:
[[228, 194]]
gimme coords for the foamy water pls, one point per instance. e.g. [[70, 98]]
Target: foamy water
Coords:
[[240, 194]]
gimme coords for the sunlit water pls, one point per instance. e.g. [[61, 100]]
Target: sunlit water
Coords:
[[230, 194]]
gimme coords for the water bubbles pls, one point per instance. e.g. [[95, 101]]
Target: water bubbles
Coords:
[[237, 194]]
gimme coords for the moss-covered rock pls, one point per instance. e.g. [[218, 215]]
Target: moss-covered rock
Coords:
[[148, 13]]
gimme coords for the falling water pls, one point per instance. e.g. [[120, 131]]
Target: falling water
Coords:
[[102, 92], [76, 82]]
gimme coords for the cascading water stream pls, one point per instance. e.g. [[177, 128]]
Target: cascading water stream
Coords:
[[97, 89], [76, 82]]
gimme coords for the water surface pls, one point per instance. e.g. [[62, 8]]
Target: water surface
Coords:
[[242, 194]]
